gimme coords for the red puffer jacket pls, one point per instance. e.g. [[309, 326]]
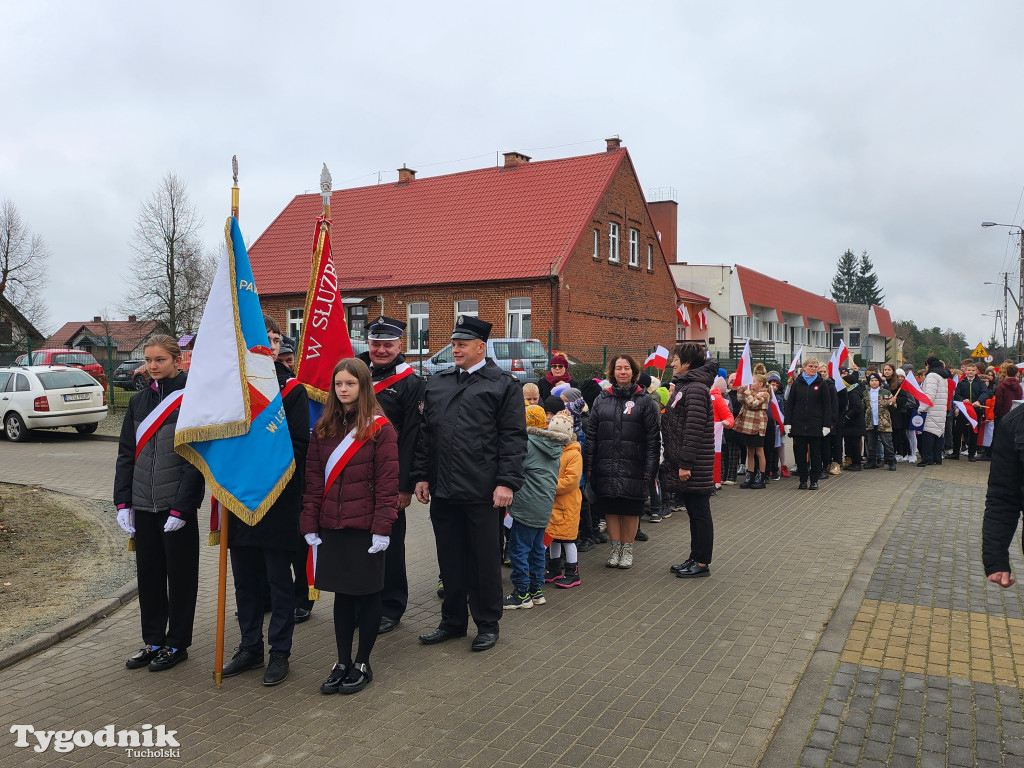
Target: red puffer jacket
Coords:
[[365, 495]]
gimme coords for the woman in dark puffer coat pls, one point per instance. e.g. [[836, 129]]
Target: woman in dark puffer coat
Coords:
[[620, 455], [688, 433]]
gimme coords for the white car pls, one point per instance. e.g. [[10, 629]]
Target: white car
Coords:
[[47, 397]]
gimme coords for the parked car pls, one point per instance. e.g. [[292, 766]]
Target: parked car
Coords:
[[47, 397], [76, 358], [521, 357], [125, 375]]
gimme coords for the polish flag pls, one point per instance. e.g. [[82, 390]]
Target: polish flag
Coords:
[[969, 413], [777, 412], [840, 356], [911, 386], [658, 358], [795, 361], [702, 319], [683, 314], [744, 371]]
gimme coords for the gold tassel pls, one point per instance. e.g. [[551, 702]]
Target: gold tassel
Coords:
[[314, 593], [213, 539], [131, 544]]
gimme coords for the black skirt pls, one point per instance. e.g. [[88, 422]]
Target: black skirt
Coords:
[[618, 506], [752, 441], [343, 564]]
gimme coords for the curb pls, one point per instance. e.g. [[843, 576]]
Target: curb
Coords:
[[71, 626]]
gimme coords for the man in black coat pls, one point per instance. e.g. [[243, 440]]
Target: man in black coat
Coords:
[[470, 460], [400, 393], [1005, 500]]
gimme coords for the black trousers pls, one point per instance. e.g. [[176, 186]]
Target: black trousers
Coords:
[[800, 445], [931, 447], [587, 526], [702, 529], [246, 565], [167, 567], [962, 431], [395, 596], [853, 449], [834, 442], [469, 555]]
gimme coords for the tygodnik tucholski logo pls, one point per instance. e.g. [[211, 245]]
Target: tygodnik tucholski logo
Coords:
[[150, 741]]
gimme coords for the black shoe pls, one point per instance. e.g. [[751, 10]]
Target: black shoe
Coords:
[[242, 660], [440, 589], [923, 463], [277, 669], [333, 681], [803, 485], [301, 615], [484, 641], [823, 475], [972, 458], [871, 464], [166, 658], [387, 623], [695, 571], [439, 635], [855, 468], [814, 485], [601, 538], [682, 566], [641, 536], [585, 545], [892, 465], [357, 678], [143, 657]]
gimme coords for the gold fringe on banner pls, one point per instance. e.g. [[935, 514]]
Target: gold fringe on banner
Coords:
[[314, 593], [213, 539], [131, 544]]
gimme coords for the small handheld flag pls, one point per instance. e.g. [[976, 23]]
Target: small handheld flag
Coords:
[[911, 386], [744, 371], [795, 361], [969, 413], [777, 412], [658, 358]]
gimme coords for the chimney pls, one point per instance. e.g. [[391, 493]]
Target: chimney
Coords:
[[613, 143], [405, 175], [97, 319], [513, 159], [132, 318]]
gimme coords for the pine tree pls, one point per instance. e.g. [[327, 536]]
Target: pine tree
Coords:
[[844, 284], [867, 291]]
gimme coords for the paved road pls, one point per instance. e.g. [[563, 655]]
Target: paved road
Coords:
[[632, 668]]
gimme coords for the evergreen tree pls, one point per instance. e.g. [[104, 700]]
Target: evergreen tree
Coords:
[[867, 289], [844, 284]]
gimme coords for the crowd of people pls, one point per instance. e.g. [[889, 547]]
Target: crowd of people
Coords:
[[529, 475]]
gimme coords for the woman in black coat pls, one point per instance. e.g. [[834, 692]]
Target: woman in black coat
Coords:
[[688, 432], [809, 416], [620, 455]]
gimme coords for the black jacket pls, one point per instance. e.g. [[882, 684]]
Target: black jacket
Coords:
[[401, 404], [688, 432], [623, 442], [472, 435], [1005, 497], [809, 407], [855, 426], [545, 387], [160, 480], [972, 391], [279, 528]]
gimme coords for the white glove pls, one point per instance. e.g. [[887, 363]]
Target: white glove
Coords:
[[126, 520], [380, 543], [825, 431], [787, 429], [313, 540], [173, 524]]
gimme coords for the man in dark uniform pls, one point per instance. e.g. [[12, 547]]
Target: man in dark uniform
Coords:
[[470, 459], [400, 393]]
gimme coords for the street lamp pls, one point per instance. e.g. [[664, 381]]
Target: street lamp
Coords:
[[1020, 290]]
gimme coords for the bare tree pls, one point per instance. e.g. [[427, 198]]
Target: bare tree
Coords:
[[170, 274], [23, 258]]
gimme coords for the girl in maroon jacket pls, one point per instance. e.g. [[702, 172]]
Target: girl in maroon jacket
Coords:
[[349, 505]]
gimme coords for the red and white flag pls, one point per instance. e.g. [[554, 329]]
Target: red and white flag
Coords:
[[840, 356], [777, 412], [969, 413], [911, 386], [683, 315], [744, 371], [658, 358], [702, 319], [795, 361]]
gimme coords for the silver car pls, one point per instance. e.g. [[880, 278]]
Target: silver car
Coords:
[[521, 357]]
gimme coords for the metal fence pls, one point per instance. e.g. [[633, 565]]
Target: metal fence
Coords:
[[27, 353]]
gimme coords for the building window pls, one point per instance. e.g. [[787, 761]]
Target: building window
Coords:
[[295, 322], [741, 326], [634, 247], [357, 321], [613, 242], [650, 258], [597, 244], [6, 331], [837, 336], [419, 324], [855, 337], [518, 318], [467, 307]]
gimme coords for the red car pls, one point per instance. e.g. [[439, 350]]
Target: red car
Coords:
[[75, 358]]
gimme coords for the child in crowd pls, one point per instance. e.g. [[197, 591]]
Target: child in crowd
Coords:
[[878, 422], [733, 440], [751, 424], [531, 394], [723, 420], [565, 515]]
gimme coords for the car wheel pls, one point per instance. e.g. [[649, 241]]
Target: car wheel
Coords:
[[86, 429], [15, 428], [140, 383]]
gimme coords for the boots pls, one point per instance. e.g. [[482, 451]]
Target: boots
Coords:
[[758, 483], [892, 465], [613, 561], [571, 578], [626, 558], [747, 480], [554, 570]]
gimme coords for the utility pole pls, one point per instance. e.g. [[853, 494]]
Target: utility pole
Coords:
[[1020, 289]]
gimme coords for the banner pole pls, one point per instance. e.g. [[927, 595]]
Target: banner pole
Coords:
[[222, 579]]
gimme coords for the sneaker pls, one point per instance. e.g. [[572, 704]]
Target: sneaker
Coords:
[[656, 517], [277, 669], [728, 482], [537, 596], [440, 589], [675, 508], [602, 526], [641, 536], [585, 545], [514, 601]]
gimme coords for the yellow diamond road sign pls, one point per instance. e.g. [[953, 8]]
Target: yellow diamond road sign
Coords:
[[979, 351]]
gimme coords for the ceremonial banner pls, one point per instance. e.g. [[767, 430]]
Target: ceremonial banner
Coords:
[[231, 423]]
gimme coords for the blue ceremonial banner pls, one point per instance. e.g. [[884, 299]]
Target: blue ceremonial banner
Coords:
[[232, 424]]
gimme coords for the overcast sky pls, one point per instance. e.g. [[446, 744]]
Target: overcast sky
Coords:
[[790, 131]]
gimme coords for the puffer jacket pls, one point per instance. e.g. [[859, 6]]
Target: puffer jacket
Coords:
[[623, 443], [809, 406], [688, 431], [1002, 501], [365, 494], [159, 480], [855, 425], [936, 387], [532, 503], [884, 416], [565, 514]]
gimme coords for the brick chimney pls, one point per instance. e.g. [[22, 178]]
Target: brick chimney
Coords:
[[513, 159], [132, 318], [97, 319], [613, 143], [405, 175]]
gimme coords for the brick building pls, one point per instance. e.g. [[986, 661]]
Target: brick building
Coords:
[[563, 246], [126, 339]]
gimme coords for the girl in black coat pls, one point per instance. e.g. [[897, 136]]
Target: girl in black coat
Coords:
[[621, 455]]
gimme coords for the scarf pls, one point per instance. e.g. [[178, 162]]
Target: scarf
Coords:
[[551, 379]]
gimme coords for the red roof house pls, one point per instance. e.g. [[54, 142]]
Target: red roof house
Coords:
[[127, 337]]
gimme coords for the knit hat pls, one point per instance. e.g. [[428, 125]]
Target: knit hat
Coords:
[[720, 384], [901, 373], [559, 388], [535, 417], [654, 386], [554, 404], [662, 393], [644, 380], [571, 394], [723, 373], [774, 376], [558, 360], [561, 424], [874, 376]]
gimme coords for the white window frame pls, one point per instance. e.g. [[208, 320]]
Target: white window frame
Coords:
[[295, 317], [417, 319], [833, 339], [858, 341], [650, 257], [613, 241], [465, 312], [634, 247], [517, 315], [597, 244], [353, 310]]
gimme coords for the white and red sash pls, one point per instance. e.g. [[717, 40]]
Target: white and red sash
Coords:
[[401, 371], [289, 385], [346, 449], [155, 420]]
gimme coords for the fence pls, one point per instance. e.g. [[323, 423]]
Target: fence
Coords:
[[24, 353]]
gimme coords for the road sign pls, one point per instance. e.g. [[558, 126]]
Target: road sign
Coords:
[[979, 351]]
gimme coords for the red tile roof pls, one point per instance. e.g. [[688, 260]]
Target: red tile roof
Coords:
[[127, 333], [694, 298], [775, 294], [487, 224], [884, 321]]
